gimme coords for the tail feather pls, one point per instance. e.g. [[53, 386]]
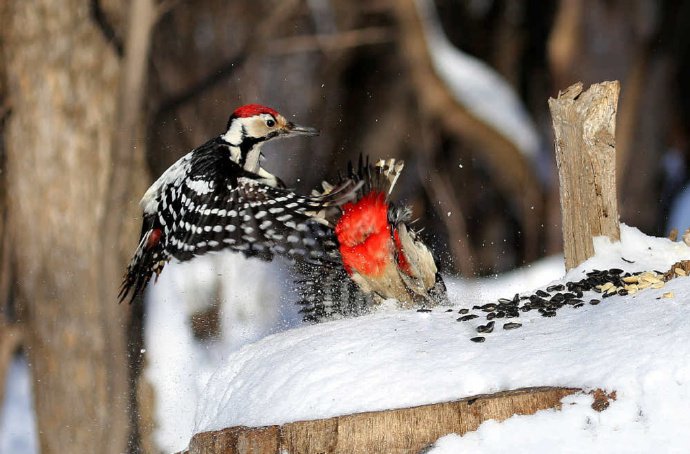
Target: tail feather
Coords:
[[365, 178], [146, 262]]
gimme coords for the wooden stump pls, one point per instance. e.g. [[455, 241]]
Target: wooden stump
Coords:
[[406, 430], [584, 124]]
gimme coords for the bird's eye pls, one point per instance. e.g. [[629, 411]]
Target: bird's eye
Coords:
[[270, 123]]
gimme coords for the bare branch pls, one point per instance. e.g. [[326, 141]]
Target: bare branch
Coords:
[[106, 28], [164, 7], [515, 176], [254, 45], [332, 42]]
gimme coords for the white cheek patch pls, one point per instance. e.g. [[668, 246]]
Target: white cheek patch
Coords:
[[256, 127], [233, 136]]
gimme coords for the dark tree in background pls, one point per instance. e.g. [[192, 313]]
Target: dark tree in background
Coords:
[[97, 97]]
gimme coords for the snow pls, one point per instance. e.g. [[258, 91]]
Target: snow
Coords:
[[473, 82], [178, 366], [17, 419], [637, 345], [478, 291], [653, 421]]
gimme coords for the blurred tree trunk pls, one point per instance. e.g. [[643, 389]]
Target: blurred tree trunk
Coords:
[[64, 152]]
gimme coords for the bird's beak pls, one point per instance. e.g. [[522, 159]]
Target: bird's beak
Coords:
[[292, 129]]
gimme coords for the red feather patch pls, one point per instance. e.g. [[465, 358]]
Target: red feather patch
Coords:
[[154, 238], [250, 110], [364, 235]]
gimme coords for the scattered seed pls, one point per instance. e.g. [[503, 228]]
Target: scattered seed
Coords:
[[512, 325], [555, 288], [557, 298], [605, 287], [658, 285], [489, 327], [631, 289], [668, 295], [649, 277], [594, 302], [680, 272], [467, 317], [478, 339], [463, 311], [424, 310], [542, 293]]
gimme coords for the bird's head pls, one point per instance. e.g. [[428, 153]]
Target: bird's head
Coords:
[[254, 123]]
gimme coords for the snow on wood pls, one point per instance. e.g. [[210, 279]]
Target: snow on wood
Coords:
[[178, 364], [474, 82], [636, 344], [476, 105]]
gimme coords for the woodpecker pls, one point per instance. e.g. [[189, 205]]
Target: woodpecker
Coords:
[[219, 197], [379, 255]]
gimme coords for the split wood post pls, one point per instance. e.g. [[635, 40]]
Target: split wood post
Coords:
[[584, 123]]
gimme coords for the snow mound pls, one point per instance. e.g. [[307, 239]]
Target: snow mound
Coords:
[[178, 365], [638, 345]]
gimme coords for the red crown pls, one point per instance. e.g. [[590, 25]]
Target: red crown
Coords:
[[251, 110]]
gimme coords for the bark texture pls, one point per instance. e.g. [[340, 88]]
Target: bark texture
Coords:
[[64, 80], [584, 124], [406, 430]]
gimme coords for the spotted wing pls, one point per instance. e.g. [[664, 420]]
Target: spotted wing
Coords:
[[252, 218]]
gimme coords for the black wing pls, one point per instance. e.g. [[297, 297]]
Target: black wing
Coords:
[[205, 202], [252, 218]]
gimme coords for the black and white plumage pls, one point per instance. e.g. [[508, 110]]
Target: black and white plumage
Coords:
[[218, 197]]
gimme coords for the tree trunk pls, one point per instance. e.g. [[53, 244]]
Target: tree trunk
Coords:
[[64, 81]]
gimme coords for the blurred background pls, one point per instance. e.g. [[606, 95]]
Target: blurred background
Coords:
[[99, 97]]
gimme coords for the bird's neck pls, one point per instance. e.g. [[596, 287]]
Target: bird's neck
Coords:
[[244, 150], [252, 158]]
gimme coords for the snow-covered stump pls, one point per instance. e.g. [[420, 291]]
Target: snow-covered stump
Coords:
[[401, 430], [584, 124]]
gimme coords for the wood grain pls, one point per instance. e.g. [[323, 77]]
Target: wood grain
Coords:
[[584, 123], [406, 430]]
